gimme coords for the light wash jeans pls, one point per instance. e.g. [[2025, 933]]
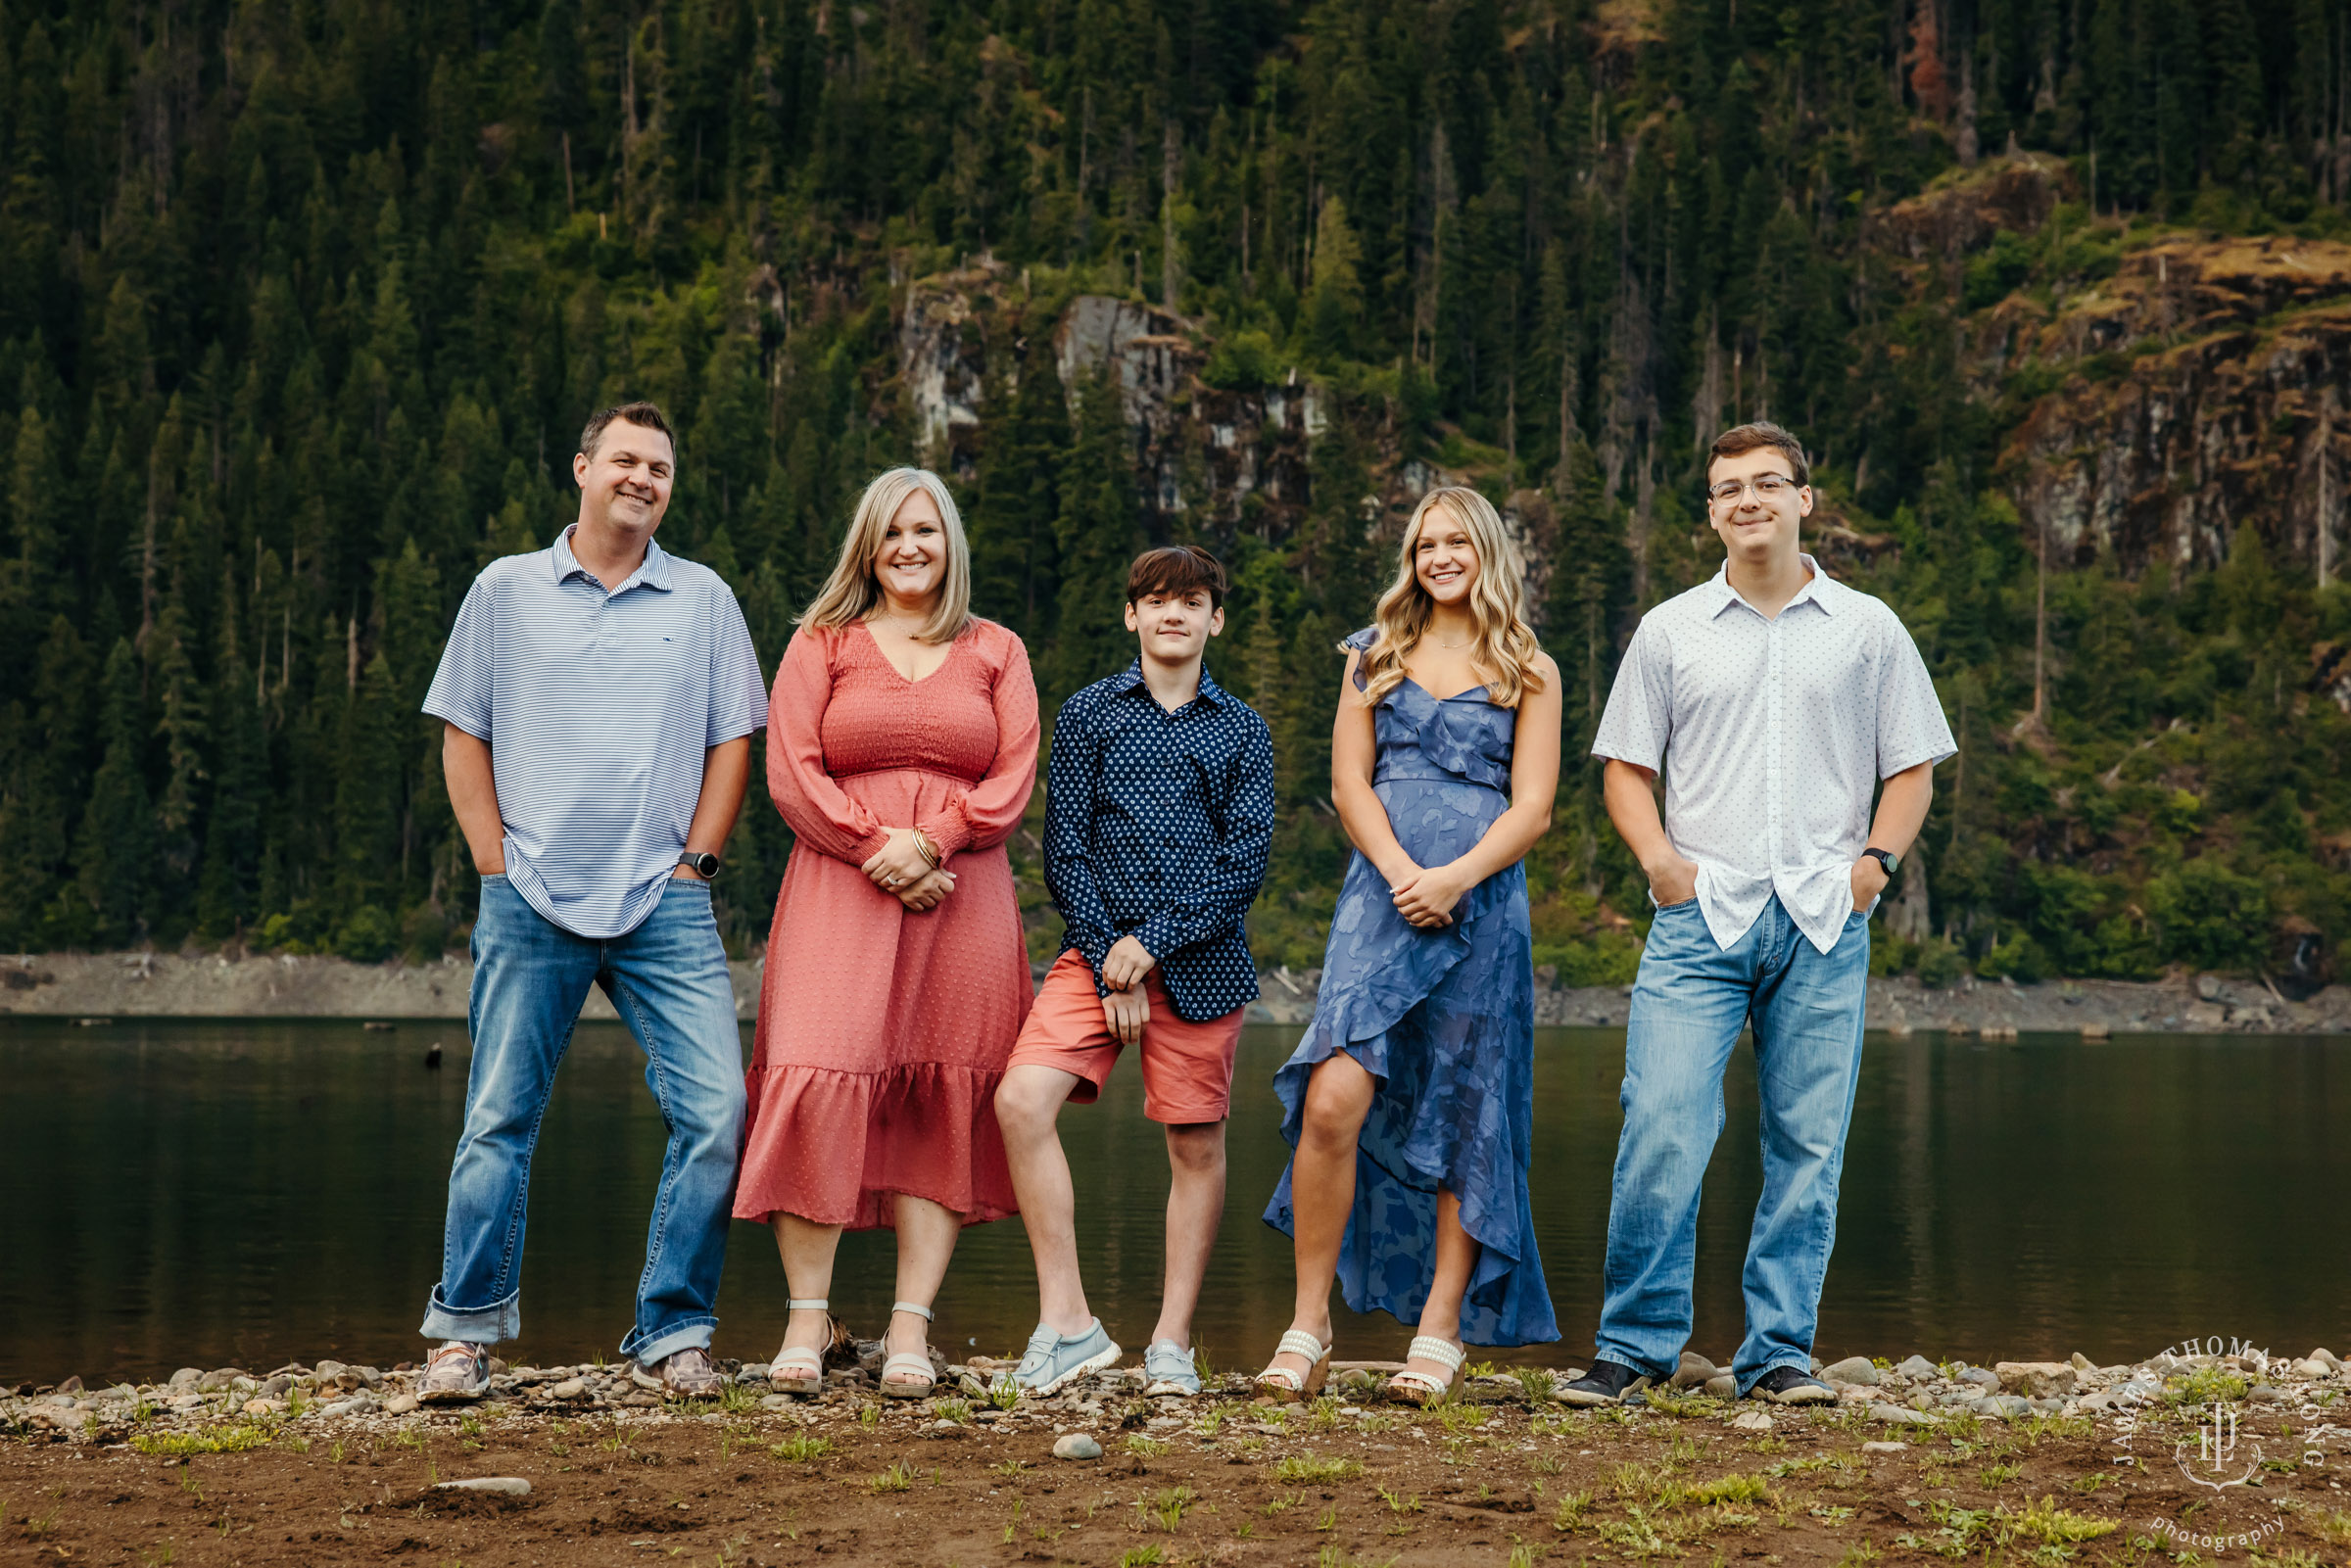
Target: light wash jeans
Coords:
[[1690, 1002], [668, 981]]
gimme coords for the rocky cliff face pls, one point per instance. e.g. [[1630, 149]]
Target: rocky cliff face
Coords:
[[2170, 389]]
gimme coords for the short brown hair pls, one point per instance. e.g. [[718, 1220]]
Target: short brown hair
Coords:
[[1176, 570], [646, 415], [1762, 433]]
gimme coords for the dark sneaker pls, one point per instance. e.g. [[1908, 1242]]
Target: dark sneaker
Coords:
[[687, 1374], [459, 1374], [1607, 1382], [1791, 1385]]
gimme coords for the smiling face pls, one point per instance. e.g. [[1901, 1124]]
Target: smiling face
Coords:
[[911, 561], [625, 483], [1444, 558], [1756, 505], [1174, 627]]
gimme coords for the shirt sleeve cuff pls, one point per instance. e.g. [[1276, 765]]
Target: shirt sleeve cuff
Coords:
[[1159, 937]]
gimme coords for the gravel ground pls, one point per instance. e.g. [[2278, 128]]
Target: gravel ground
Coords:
[[2037, 1463]]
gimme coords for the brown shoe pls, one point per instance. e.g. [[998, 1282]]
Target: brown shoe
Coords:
[[687, 1374], [459, 1374]]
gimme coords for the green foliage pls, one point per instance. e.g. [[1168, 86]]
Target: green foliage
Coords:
[[278, 387]]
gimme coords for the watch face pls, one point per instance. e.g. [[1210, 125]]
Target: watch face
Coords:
[[706, 864]]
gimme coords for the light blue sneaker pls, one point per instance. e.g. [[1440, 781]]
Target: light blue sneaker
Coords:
[[1168, 1370], [1052, 1361]]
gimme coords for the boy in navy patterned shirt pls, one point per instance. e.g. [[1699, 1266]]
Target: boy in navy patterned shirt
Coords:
[[1159, 811]]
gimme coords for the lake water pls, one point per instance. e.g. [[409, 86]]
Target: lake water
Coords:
[[209, 1194]]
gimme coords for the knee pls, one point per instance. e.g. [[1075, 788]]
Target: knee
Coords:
[[1023, 1112], [1197, 1151], [1332, 1117]]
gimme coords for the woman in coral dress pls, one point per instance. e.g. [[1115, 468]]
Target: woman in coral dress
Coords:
[[902, 747]]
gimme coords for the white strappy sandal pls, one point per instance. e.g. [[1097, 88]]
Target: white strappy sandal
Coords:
[[786, 1375], [1284, 1383], [1419, 1388], [909, 1361]]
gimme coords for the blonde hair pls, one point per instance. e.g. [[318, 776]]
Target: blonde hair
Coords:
[[851, 592], [1506, 649]]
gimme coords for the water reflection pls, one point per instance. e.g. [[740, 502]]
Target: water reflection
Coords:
[[207, 1194]]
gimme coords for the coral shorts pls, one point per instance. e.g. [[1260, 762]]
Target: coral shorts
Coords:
[[1188, 1068]]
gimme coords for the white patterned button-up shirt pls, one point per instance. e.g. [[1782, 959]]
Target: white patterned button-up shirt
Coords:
[[1772, 737]]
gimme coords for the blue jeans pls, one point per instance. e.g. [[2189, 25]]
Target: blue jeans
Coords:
[[668, 981], [1690, 1003]]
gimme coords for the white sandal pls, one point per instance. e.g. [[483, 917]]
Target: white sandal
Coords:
[[797, 1356], [909, 1361], [1285, 1383], [1419, 1388]]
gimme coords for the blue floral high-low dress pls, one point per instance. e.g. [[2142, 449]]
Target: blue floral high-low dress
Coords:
[[1444, 1022]]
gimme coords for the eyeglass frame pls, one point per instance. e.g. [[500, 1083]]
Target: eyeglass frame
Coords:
[[1756, 485]]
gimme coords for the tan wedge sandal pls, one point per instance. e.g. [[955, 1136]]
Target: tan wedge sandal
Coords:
[[797, 1368], [1419, 1388], [1286, 1384], [909, 1361]]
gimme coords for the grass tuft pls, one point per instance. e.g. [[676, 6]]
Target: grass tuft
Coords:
[[1310, 1469]]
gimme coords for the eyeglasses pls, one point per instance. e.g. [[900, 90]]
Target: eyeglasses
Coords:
[[1768, 488]]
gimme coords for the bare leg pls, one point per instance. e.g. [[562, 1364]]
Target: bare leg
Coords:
[[1456, 1255], [807, 1249], [927, 1233], [1322, 1189], [1195, 1203], [1028, 1102]]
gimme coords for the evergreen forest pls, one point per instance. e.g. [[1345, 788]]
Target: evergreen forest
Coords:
[[304, 305]]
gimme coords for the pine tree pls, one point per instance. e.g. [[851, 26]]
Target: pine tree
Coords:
[[1096, 537], [114, 851], [1015, 570], [230, 874]]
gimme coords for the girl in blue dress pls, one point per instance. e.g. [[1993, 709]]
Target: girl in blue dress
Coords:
[[1407, 1105]]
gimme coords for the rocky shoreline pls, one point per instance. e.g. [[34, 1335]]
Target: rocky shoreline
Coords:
[[1915, 1462], [148, 984], [1914, 1393]]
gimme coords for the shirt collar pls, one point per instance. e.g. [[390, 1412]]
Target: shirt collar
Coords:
[[1820, 590], [1130, 679], [652, 572]]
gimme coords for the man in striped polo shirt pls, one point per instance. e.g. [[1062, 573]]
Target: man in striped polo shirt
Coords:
[[599, 698]]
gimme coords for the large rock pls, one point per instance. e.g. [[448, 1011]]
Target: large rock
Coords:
[[1918, 1368], [1855, 1369], [2039, 1380], [1694, 1372], [1076, 1445]]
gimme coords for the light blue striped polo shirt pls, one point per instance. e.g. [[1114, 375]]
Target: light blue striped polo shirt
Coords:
[[598, 708]]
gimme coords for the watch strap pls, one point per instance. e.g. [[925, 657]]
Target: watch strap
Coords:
[[1886, 858]]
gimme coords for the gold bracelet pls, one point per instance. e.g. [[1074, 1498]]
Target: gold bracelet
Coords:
[[924, 848]]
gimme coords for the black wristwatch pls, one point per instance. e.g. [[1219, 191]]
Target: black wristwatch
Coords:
[[702, 864], [1886, 858]]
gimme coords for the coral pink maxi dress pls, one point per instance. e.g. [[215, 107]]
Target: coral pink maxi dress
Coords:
[[882, 1034]]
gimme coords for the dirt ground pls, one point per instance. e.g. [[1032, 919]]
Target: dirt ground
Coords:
[[1220, 1480]]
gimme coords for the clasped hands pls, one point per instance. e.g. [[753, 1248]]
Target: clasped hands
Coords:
[[1425, 895], [1128, 1007], [899, 870]]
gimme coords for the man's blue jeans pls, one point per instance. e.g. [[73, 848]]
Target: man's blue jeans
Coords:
[[1690, 1003], [668, 981]]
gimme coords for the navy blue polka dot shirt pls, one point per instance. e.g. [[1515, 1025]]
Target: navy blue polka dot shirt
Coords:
[[1157, 826]]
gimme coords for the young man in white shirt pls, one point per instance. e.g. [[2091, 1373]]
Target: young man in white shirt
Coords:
[[1774, 700]]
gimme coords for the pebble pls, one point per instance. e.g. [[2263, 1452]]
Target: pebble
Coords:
[[1752, 1421], [1077, 1445], [1853, 1369], [1884, 1448], [1900, 1417], [571, 1388], [511, 1486], [2311, 1367], [1981, 1376], [1723, 1386], [185, 1380], [400, 1403], [2262, 1394], [1918, 1368]]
